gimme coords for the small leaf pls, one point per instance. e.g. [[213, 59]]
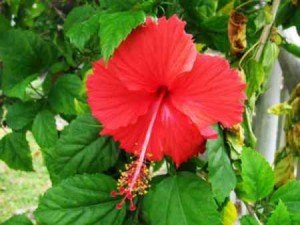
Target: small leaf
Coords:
[[44, 129], [80, 149], [63, 94], [280, 109], [289, 194], [270, 55], [292, 48], [181, 199], [20, 115], [248, 220], [229, 214], [114, 28], [257, 176], [15, 152], [255, 77], [220, 174], [81, 24], [280, 216], [83, 199], [17, 220]]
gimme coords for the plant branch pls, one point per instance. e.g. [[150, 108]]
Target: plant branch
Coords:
[[252, 213], [266, 30]]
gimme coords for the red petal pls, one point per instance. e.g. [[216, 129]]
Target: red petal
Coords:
[[111, 102], [154, 55], [173, 134], [210, 93]]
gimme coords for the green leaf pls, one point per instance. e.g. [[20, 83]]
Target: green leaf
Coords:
[[17, 220], [248, 220], [4, 23], [44, 129], [119, 5], [81, 24], [280, 216], [270, 55], [80, 149], [255, 77], [292, 48], [83, 199], [181, 199], [14, 6], [20, 114], [23, 53], [63, 93], [221, 174], [114, 28], [257, 176], [15, 152], [289, 194]]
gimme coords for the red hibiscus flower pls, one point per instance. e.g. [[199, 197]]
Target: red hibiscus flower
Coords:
[[157, 96]]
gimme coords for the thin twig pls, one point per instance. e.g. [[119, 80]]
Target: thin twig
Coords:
[[252, 213], [266, 31]]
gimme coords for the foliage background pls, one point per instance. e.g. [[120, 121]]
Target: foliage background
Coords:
[[46, 50]]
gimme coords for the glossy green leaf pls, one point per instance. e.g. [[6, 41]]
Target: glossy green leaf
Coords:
[[181, 199], [44, 129], [4, 23], [17, 220], [221, 175], [292, 48], [80, 149], [83, 199], [289, 194], [19, 115], [23, 54], [114, 28], [248, 220], [81, 24], [63, 94], [15, 152], [257, 176], [280, 216]]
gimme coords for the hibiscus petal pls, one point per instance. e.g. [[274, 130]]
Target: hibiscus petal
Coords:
[[173, 134], [111, 102], [154, 54], [210, 93]]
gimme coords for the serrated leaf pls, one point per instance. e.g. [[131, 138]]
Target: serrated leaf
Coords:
[[15, 152], [20, 115], [280, 216], [181, 199], [63, 94], [17, 220], [289, 194], [44, 129], [80, 149], [257, 176], [114, 28], [220, 174], [81, 24], [229, 214], [23, 53], [248, 220], [83, 199]]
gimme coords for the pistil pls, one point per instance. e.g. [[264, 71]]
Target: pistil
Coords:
[[134, 181]]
